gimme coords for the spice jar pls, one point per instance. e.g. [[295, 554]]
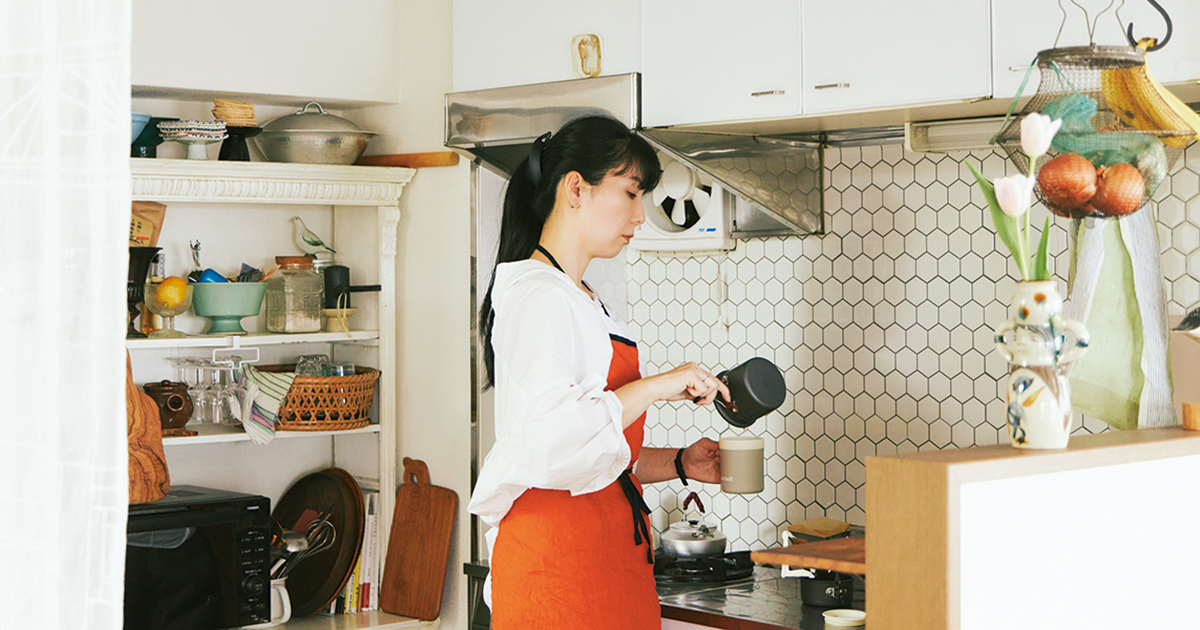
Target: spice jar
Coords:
[[294, 296]]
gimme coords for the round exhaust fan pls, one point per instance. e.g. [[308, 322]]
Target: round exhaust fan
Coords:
[[685, 212], [682, 195]]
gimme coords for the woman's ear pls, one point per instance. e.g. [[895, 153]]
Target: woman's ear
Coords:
[[574, 186]]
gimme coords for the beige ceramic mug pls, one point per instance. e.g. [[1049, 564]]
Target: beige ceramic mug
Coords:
[[741, 465]]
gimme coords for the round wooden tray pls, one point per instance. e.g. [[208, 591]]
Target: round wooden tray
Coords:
[[316, 581]]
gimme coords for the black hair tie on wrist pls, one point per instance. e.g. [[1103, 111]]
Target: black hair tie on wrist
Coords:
[[535, 157], [679, 467]]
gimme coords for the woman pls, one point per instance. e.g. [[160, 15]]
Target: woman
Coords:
[[570, 544]]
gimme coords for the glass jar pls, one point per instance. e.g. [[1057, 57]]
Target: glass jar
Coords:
[[294, 296]]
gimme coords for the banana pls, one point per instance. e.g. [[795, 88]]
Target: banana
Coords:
[[1140, 101], [1114, 83]]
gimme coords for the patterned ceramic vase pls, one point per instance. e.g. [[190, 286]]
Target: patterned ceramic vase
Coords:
[[1034, 342]]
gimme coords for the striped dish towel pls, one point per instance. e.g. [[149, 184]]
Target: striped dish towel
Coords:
[[1117, 291], [265, 391]]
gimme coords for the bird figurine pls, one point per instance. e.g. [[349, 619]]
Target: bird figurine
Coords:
[[1190, 322], [307, 241]]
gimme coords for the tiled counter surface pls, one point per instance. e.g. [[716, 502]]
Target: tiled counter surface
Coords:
[[766, 602]]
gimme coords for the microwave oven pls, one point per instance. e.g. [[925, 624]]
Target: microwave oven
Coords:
[[198, 559]]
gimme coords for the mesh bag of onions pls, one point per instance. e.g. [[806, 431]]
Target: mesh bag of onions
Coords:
[[1106, 160]]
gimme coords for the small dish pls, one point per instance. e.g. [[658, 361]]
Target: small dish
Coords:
[[845, 617]]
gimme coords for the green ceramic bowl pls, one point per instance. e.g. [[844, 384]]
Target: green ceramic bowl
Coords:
[[226, 303]]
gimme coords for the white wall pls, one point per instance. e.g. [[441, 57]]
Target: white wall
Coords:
[[433, 273]]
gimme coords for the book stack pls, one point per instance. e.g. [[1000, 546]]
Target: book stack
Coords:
[[361, 593]]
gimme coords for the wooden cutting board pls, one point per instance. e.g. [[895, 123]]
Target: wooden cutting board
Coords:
[[847, 555], [414, 572]]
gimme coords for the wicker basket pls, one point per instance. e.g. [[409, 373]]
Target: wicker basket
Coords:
[[326, 403]]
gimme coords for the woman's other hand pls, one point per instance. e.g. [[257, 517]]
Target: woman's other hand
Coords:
[[702, 461]]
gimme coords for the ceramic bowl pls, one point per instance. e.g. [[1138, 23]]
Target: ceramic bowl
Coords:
[[139, 123], [226, 303]]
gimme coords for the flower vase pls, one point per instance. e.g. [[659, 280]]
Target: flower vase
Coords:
[[1034, 342]]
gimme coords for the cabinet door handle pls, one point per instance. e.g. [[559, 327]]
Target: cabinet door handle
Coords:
[[768, 93], [830, 86], [1020, 68]]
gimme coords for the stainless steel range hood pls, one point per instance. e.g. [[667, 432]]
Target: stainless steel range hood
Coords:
[[780, 181]]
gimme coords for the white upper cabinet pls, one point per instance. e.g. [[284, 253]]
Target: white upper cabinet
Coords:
[[501, 44], [278, 52], [868, 54], [1024, 27], [713, 60]]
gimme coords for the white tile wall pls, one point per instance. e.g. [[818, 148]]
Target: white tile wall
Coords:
[[882, 327]]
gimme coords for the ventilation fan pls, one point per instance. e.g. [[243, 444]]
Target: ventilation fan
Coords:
[[687, 211]]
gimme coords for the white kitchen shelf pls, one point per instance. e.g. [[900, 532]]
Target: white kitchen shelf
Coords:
[[366, 202], [376, 619], [209, 433], [252, 339]]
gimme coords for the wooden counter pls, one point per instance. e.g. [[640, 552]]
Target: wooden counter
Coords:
[[998, 537]]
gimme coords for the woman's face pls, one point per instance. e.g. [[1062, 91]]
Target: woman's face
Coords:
[[613, 212]]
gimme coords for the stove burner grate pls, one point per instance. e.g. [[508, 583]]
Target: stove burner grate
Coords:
[[704, 569]]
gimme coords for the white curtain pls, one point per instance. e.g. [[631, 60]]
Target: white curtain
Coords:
[[64, 217]]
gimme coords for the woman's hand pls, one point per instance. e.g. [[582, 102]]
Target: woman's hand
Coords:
[[690, 382], [702, 461]]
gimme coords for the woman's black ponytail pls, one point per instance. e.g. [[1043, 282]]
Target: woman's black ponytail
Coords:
[[594, 147]]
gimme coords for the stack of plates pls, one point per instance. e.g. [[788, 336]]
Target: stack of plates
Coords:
[[183, 130]]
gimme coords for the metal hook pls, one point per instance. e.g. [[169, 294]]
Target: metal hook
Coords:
[[1133, 41]]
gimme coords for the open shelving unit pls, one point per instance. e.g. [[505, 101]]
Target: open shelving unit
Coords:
[[364, 203]]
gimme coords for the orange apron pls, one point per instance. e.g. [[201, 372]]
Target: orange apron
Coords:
[[564, 562]]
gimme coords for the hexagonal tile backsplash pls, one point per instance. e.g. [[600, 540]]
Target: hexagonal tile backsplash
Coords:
[[882, 327]]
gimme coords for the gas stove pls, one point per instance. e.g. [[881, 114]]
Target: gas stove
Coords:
[[716, 569]]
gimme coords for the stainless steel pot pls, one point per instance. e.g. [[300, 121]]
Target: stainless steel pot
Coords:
[[692, 538], [313, 137]]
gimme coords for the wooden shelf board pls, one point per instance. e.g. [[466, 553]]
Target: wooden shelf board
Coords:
[[375, 620], [252, 339], [847, 554], [213, 433]]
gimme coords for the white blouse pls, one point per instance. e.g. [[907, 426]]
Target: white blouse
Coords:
[[556, 427]]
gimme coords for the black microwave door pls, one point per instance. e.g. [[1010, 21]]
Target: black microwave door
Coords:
[[181, 588]]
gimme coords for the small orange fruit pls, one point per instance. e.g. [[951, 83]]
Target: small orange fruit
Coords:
[[172, 291]]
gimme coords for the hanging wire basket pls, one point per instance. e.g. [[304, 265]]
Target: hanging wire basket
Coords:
[[1101, 97]]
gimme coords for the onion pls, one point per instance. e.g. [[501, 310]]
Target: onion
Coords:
[[1119, 190], [1067, 182]]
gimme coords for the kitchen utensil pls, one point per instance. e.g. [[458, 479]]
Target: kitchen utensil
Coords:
[[411, 160], [742, 465], [846, 555], [757, 388], [827, 589], [226, 303], [235, 148], [313, 137], [139, 266], [174, 406], [692, 538], [316, 581], [419, 546], [338, 287], [294, 542]]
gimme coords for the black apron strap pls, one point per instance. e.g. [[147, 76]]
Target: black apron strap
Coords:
[[559, 267], [641, 533]]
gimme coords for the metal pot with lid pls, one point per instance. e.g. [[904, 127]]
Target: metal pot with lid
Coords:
[[313, 137], [692, 538]]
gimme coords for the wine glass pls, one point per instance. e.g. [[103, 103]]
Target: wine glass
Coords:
[[168, 299]]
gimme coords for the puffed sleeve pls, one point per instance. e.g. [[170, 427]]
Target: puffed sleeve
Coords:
[[556, 426]]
